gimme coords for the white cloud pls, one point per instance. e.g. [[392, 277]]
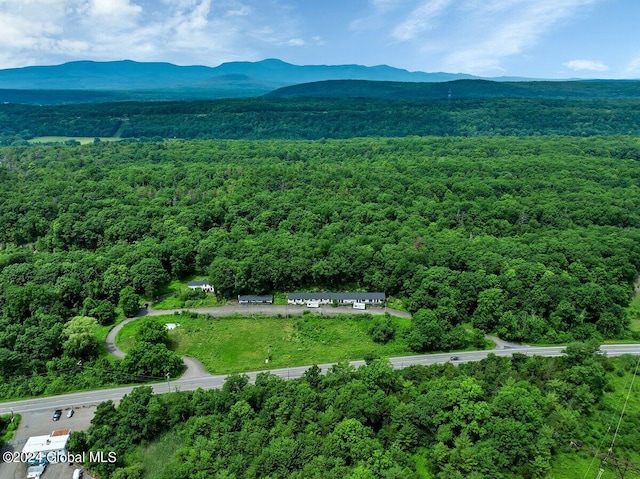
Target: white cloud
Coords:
[[501, 28], [113, 8], [180, 31], [590, 65], [633, 67], [420, 19], [239, 11], [296, 42]]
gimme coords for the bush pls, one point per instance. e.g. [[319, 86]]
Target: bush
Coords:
[[191, 294], [382, 330]]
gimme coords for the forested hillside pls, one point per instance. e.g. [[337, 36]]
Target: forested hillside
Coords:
[[465, 88], [309, 118], [499, 418], [535, 239]]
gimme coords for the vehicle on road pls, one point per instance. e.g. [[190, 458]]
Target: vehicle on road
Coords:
[[57, 414], [70, 412], [77, 474], [454, 358]]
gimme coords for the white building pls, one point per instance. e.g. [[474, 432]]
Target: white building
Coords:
[[201, 284], [53, 445], [339, 298]]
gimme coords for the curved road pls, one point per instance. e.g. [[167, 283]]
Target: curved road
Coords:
[[212, 382]]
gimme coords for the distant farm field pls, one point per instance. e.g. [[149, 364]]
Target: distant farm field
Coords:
[[83, 140], [229, 345]]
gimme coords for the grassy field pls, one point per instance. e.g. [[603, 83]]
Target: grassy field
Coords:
[[236, 344], [83, 140], [157, 454], [579, 464]]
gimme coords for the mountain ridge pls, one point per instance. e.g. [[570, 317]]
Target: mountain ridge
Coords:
[[88, 81], [267, 74]]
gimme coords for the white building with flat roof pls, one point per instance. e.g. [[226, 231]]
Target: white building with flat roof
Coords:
[[39, 446]]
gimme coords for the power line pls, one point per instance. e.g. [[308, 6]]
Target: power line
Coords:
[[610, 457]]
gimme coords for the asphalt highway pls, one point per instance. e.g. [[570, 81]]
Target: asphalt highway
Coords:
[[216, 381]]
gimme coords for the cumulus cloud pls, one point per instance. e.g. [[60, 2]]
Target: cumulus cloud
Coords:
[[180, 31], [589, 65]]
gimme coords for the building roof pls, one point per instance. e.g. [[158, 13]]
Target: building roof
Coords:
[[337, 296], [253, 297], [201, 282], [36, 444]]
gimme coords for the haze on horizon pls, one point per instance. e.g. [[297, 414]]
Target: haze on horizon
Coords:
[[528, 38]]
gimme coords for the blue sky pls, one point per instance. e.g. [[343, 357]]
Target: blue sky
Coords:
[[530, 38]]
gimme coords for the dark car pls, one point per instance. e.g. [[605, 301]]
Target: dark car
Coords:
[[454, 358], [57, 414]]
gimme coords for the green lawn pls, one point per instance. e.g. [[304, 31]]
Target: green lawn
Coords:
[[237, 344], [83, 140]]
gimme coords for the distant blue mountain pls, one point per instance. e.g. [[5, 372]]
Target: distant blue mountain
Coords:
[[228, 79]]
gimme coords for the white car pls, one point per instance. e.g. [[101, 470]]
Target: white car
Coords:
[[70, 412], [34, 472]]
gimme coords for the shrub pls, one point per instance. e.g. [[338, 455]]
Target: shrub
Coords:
[[382, 330]]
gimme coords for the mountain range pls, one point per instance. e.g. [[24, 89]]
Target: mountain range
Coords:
[[99, 82], [263, 76], [93, 82]]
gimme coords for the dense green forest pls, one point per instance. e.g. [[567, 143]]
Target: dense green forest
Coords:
[[498, 418], [463, 88], [536, 239], [316, 118]]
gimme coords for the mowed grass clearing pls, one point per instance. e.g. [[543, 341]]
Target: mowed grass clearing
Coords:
[[239, 344], [83, 140]]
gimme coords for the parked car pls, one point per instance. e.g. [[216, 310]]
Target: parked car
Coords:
[[454, 358], [57, 414], [35, 472], [70, 412]]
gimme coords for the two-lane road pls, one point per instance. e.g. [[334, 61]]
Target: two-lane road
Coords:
[[213, 382]]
